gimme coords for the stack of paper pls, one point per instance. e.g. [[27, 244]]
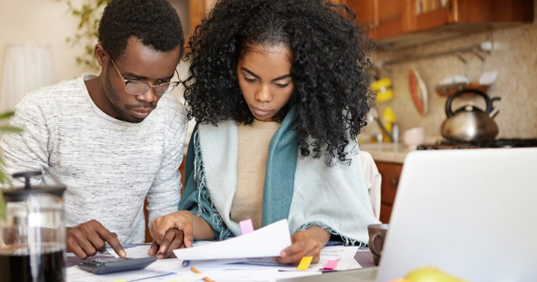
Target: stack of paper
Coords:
[[247, 257]]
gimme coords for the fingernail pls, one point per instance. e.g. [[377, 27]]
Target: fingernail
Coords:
[[122, 253], [162, 248], [283, 254]]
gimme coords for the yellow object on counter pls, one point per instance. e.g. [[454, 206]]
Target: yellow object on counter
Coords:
[[382, 88], [388, 120], [380, 84]]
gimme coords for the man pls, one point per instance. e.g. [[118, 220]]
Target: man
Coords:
[[105, 137]]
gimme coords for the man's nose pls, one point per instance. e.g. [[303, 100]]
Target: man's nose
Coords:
[[149, 96]]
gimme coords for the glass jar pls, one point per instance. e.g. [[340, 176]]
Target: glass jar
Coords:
[[32, 235]]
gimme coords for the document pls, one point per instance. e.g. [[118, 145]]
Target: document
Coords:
[[244, 258], [268, 241]]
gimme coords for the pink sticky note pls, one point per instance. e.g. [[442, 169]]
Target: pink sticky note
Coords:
[[331, 265], [246, 226]]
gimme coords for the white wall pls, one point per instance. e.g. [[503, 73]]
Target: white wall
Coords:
[[46, 22], [49, 23]]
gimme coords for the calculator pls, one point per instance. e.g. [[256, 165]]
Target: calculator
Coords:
[[110, 265]]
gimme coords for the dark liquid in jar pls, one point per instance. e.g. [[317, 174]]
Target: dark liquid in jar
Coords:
[[15, 264]]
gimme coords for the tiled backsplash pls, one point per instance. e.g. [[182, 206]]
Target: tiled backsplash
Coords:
[[514, 57]]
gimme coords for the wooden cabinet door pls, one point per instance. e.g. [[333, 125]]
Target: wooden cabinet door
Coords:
[[491, 11], [197, 9], [390, 18], [391, 172], [383, 18], [429, 14], [472, 11], [365, 11], [393, 17]]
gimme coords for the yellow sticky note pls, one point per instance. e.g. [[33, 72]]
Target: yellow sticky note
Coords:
[[304, 263]]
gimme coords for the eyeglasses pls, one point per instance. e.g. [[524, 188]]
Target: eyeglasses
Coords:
[[135, 87]]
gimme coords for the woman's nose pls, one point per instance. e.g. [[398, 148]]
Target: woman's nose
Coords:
[[263, 94]]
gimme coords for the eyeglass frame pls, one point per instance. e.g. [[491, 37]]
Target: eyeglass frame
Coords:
[[148, 86]]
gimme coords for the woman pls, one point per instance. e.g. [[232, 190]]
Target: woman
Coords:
[[279, 91]]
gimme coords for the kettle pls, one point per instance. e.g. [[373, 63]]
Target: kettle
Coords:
[[32, 234], [469, 123]]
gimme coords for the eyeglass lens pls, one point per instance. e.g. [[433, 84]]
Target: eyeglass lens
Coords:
[[138, 87]]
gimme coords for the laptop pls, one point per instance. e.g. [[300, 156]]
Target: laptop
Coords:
[[471, 213]]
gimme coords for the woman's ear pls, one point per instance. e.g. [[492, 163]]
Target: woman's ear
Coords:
[[101, 55]]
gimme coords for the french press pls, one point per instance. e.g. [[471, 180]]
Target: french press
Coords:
[[32, 234]]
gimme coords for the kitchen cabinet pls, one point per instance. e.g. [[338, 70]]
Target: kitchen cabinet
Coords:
[[401, 23], [382, 18], [391, 172], [197, 9]]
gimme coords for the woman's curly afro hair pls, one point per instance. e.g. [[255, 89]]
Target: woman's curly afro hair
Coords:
[[329, 67], [154, 22]]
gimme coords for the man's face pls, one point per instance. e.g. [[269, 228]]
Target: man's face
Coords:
[[138, 63]]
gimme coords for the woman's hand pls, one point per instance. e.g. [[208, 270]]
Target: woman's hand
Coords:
[[171, 232], [305, 243]]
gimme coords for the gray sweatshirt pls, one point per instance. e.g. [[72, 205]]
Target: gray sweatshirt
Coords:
[[108, 166]]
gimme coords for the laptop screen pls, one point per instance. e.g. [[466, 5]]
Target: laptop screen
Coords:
[[470, 213]]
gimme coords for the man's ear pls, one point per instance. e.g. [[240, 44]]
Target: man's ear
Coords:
[[101, 55]]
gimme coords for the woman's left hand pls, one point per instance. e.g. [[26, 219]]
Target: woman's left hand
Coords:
[[305, 243]]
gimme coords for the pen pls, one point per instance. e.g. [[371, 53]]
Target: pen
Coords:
[[186, 263], [195, 270]]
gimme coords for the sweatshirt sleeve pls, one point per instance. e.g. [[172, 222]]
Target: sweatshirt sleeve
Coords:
[[164, 194], [29, 150]]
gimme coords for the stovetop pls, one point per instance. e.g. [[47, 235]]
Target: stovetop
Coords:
[[497, 143]]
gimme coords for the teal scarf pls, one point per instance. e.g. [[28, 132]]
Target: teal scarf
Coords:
[[304, 190]]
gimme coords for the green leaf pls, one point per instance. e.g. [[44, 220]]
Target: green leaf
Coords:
[[3, 179], [6, 128], [7, 114]]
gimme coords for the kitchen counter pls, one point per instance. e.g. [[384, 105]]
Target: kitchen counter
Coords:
[[386, 152]]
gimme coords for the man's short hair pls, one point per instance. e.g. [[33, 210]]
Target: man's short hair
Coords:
[[154, 22]]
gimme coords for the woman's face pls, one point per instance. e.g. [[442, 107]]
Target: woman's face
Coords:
[[265, 81]]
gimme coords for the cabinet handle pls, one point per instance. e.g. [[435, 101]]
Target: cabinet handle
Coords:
[[395, 181]]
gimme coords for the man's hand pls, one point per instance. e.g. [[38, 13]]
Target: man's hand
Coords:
[[305, 243], [87, 238], [173, 238], [171, 232]]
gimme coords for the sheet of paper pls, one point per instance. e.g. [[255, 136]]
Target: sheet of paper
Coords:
[[343, 255], [75, 274], [255, 275], [239, 269], [162, 270], [268, 241]]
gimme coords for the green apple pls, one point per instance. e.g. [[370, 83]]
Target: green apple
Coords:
[[431, 274]]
